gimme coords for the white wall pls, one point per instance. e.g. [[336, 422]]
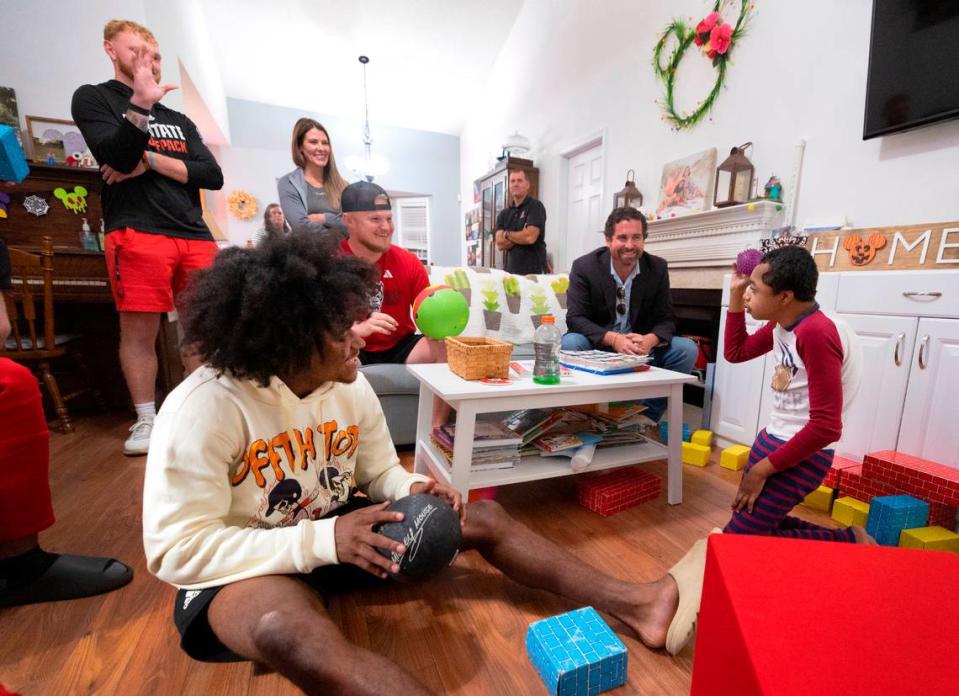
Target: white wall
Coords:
[[420, 162], [181, 28], [568, 71], [49, 48]]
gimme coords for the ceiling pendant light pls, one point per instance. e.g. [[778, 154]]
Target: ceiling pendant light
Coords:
[[369, 166]]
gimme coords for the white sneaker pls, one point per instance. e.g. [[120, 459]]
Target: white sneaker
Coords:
[[139, 441]]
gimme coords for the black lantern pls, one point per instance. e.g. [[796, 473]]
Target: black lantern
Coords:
[[734, 178], [630, 196]]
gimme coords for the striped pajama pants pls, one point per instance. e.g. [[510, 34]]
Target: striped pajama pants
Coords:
[[783, 491]]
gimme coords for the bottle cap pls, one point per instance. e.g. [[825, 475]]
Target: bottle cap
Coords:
[[548, 319]]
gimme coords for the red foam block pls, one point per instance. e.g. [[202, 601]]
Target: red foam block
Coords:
[[761, 627], [607, 494], [930, 481]]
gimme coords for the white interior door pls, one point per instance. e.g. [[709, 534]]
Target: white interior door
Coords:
[[584, 209]]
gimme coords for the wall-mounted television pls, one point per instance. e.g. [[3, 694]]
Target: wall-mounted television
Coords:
[[913, 77]]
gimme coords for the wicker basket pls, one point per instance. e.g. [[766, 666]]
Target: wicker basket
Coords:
[[478, 357]]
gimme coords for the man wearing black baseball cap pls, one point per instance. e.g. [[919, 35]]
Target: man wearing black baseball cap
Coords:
[[390, 333]]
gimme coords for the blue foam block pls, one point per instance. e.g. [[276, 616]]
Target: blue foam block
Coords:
[[577, 653], [890, 514], [13, 165], [664, 431]]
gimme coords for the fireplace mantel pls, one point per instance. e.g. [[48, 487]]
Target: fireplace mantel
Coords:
[[700, 247]]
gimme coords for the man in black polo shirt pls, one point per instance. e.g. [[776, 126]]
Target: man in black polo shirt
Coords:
[[521, 229]]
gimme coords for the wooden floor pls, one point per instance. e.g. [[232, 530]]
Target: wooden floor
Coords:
[[462, 633]]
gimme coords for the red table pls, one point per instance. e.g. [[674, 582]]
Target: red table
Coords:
[[808, 617]]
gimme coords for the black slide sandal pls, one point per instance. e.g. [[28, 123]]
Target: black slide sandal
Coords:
[[68, 577]]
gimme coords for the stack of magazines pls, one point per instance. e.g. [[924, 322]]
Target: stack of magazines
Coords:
[[619, 422], [601, 362], [494, 445]]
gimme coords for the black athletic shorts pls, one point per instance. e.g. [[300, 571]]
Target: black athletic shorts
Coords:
[[190, 606], [396, 355]]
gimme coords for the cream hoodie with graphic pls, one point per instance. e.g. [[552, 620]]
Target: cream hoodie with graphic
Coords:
[[238, 476]]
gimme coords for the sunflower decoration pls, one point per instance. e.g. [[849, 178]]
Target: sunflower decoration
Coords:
[[242, 204]]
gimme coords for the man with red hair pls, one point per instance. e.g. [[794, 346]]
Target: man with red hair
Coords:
[[154, 164]]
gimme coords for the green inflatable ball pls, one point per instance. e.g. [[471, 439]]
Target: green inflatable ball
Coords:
[[440, 311]]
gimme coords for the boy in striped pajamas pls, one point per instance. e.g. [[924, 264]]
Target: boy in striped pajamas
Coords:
[[818, 364]]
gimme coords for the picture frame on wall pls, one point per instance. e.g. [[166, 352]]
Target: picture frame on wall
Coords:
[[687, 185], [57, 141]]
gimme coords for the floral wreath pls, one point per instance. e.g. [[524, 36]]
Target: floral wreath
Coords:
[[242, 204], [716, 38]]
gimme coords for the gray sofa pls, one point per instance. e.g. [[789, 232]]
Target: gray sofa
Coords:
[[502, 306], [399, 393]]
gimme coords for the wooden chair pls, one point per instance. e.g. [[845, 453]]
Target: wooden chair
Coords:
[[33, 337]]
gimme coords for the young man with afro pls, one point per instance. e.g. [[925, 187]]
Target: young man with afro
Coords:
[[250, 502]]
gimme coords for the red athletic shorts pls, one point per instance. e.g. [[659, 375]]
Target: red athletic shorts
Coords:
[[25, 506], [149, 271]]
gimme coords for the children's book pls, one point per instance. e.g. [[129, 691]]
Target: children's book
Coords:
[[532, 422], [553, 444]]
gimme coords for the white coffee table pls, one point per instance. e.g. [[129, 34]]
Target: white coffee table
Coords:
[[472, 397]]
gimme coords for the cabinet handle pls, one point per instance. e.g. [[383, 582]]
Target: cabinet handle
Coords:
[[924, 293], [922, 351], [900, 343]]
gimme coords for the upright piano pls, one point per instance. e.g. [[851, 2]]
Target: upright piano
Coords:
[[82, 298]]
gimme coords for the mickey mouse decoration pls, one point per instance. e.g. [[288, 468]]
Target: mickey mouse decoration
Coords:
[[76, 201], [862, 253]]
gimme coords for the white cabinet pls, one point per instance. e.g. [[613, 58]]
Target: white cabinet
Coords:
[[905, 293], [737, 391], [871, 421], [930, 426]]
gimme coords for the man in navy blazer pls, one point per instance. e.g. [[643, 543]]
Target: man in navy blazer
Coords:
[[618, 300]]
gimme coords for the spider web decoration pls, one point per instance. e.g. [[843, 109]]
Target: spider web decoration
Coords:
[[35, 205]]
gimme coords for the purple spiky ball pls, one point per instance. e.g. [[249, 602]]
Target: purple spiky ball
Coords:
[[747, 260]]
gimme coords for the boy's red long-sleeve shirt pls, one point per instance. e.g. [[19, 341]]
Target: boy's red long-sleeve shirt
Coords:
[[818, 365]]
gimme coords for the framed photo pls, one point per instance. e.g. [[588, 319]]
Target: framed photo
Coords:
[[9, 113], [56, 141], [687, 185]]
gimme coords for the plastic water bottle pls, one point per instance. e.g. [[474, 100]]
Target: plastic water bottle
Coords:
[[546, 342]]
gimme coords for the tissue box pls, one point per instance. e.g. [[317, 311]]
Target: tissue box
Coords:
[[13, 165]]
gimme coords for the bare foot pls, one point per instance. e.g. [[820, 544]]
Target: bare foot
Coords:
[[862, 536], [650, 610]]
